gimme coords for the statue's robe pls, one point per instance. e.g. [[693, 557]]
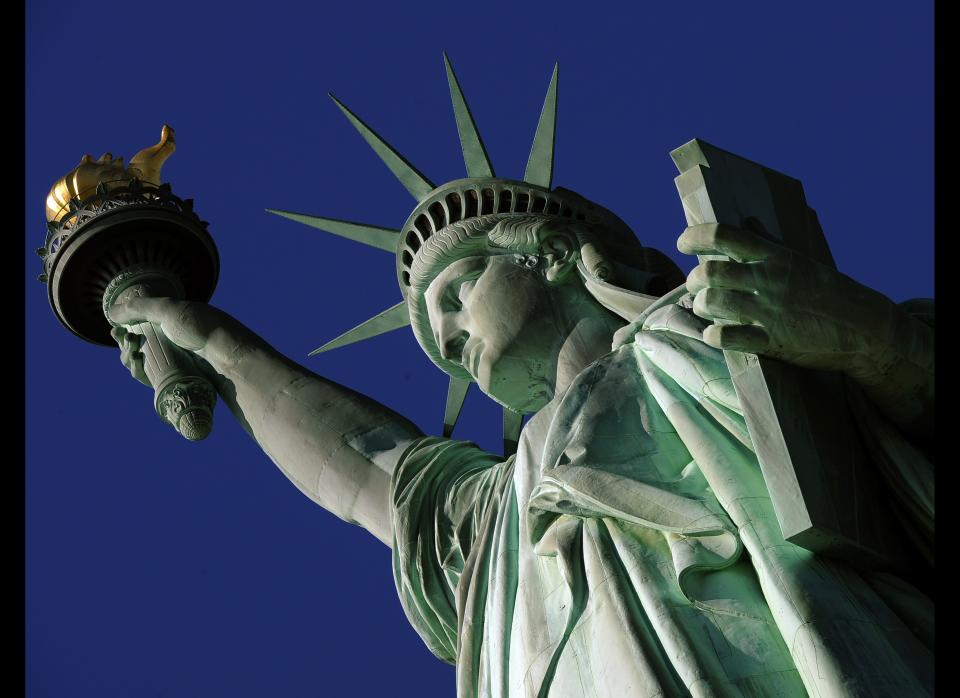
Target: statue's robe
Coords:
[[630, 548]]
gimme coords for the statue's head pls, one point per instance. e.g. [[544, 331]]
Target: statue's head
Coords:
[[492, 295], [485, 264]]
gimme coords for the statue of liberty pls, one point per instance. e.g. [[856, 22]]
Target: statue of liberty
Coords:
[[628, 542]]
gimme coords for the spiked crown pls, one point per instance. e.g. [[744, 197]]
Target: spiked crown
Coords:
[[480, 197]]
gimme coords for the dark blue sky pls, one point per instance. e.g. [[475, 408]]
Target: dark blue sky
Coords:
[[156, 567]]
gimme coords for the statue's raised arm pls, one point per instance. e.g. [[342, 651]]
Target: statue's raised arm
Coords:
[[126, 259], [337, 446]]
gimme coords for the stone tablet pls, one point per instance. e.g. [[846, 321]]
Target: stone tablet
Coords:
[[826, 497]]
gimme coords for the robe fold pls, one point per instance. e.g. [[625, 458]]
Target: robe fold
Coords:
[[630, 548]]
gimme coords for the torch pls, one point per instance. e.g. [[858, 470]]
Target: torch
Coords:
[[114, 233]]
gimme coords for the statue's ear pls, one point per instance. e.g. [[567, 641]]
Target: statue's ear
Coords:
[[560, 256]]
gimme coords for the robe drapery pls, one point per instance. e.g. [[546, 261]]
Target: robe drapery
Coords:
[[630, 548]]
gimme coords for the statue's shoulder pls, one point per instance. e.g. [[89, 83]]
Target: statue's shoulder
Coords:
[[919, 308], [672, 312], [603, 398]]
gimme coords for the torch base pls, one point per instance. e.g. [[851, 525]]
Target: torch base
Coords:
[[115, 241]]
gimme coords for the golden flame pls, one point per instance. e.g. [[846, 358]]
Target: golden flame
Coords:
[[84, 178]]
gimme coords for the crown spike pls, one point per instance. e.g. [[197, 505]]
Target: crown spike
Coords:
[[411, 178], [474, 153], [456, 393], [390, 319], [512, 424], [540, 163], [372, 235]]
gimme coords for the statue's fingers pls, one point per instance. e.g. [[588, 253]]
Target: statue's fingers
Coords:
[[128, 344], [188, 324], [118, 333], [718, 273], [142, 309], [134, 341], [137, 371], [748, 338], [132, 360], [125, 359], [717, 238], [734, 306]]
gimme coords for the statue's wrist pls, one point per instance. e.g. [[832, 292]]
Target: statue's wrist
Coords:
[[897, 372], [869, 324], [898, 342]]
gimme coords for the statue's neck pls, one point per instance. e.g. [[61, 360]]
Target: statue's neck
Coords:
[[590, 336]]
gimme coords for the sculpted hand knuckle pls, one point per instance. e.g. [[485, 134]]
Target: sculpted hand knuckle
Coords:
[[713, 297], [712, 270], [725, 235], [702, 304]]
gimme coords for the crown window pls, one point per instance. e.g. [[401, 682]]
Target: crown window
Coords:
[[487, 202], [472, 200], [453, 204]]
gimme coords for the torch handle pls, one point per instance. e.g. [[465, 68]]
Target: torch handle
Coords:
[[183, 396]]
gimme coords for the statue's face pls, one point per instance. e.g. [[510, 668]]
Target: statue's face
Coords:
[[500, 321]]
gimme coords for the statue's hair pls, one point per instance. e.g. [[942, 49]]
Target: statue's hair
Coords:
[[510, 233], [455, 241], [521, 233]]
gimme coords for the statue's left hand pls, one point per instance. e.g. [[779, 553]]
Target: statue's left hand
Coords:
[[772, 301], [769, 300]]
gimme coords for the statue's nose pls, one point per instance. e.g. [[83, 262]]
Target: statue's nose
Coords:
[[450, 335]]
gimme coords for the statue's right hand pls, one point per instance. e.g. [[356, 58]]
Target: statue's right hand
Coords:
[[196, 327], [130, 355], [180, 321]]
